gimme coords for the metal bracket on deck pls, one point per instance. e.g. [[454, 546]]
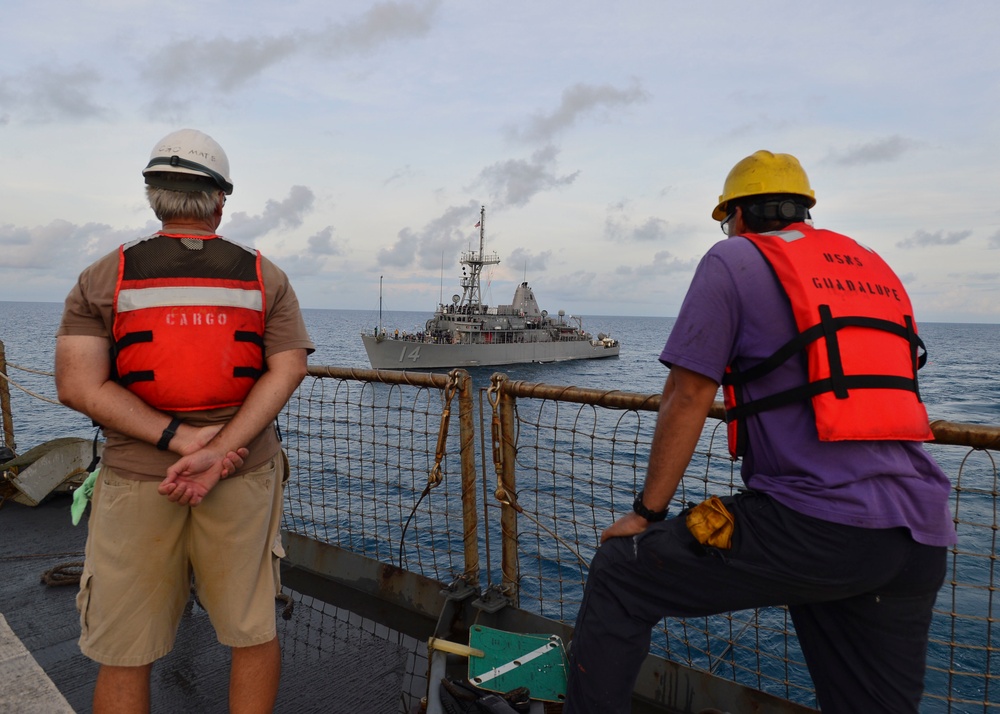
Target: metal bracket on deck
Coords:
[[459, 590], [492, 601]]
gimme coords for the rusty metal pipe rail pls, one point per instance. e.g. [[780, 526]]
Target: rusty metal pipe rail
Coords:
[[613, 399], [976, 436], [436, 380]]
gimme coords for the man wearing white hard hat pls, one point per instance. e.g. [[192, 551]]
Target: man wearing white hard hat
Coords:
[[184, 346]]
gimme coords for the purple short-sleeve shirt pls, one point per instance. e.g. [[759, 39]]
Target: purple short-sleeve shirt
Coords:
[[736, 312]]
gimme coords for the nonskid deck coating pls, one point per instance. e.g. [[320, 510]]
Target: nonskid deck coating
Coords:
[[330, 661]]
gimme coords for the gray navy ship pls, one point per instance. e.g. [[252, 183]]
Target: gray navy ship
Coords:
[[467, 333]]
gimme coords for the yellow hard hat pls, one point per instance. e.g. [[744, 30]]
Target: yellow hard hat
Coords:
[[763, 173]]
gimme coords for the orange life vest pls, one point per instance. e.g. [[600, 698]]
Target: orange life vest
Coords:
[[188, 321], [856, 327]]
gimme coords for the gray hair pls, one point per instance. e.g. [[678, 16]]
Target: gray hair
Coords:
[[185, 203]]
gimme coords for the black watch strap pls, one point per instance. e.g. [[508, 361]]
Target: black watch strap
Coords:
[[651, 516], [168, 434]]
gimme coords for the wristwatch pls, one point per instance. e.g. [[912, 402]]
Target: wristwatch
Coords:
[[168, 434], [651, 516]]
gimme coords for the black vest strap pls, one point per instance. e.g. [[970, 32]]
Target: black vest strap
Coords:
[[247, 336], [253, 337], [133, 338], [808, 391], [145, 375], [838, 382], [798, 344], [127, 340], [830, 328]]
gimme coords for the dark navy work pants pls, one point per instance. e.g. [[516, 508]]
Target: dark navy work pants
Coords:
[[860, 600]]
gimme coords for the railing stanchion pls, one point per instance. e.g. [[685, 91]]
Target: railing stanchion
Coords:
[[470, 481]]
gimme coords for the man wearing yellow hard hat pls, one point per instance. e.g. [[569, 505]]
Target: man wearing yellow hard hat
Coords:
[[844, 518]]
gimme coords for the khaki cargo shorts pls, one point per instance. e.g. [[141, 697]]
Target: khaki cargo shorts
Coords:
[[142, 550]]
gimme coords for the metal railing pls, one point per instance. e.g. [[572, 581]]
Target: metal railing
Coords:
[[368, 451], [511, 497], [555, 466]]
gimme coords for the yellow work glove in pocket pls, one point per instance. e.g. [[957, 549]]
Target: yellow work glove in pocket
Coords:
[[711, 523]]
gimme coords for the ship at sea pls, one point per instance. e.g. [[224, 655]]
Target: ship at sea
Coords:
[[468, 333]]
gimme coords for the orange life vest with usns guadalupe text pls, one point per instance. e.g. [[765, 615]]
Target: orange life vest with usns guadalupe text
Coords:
[[856, 327], [188, 321]]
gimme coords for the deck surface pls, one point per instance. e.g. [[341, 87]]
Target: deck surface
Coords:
[[331, 660]]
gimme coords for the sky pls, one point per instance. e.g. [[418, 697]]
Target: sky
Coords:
[[364, 137]]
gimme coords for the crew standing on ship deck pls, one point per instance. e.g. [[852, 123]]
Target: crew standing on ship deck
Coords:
[[844, 518], [184, 346]]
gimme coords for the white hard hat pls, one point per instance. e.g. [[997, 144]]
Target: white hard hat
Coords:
[[188, 151]]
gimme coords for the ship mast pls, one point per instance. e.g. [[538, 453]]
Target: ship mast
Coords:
[[471, 292]]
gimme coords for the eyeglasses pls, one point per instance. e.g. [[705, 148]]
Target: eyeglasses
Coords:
[[725, 224]]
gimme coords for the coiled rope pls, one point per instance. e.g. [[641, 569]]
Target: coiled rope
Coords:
[[64, 574]]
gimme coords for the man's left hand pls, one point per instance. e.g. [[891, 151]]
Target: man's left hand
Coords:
[[628, 525], [191, 478]]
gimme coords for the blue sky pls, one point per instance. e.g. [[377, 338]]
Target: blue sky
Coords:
[[363, 138]]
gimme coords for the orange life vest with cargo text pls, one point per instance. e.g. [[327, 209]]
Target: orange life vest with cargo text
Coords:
[[188, 321], [856, 327]]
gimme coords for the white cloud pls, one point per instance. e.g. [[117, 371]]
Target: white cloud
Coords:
[[923, 239], [663, 263], [598, 135], [523, 262], [579, 100], [437, 244], [400, 254], [889, 148], [225, 64], [323, 243], [287, 214], [514, 182], [42, 94], [61, 243]]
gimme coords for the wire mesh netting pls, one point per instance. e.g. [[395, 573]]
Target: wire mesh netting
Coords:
[[363, 451]]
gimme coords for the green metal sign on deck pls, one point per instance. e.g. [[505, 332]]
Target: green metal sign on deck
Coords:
[[513, 660]]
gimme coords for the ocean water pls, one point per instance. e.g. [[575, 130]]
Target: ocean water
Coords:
[[961, 381]]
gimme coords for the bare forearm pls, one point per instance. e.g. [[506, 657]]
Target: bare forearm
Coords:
[[114, 407], [687, 398], [264, 402], [83, 384]]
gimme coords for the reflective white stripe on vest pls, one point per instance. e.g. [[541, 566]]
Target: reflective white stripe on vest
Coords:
[[140, 299], [787, 236]]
